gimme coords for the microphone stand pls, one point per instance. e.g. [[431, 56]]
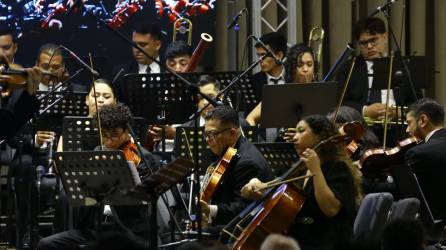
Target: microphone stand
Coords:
[[194, 89], [397, 51]]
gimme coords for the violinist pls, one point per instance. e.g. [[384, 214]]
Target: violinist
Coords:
[[115, 120], [222, 130], [427, 160], [331, 195]]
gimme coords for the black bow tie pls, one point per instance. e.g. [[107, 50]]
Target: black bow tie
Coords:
[[276, 80]]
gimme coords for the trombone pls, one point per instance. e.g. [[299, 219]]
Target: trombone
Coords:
[[183, 25], [315, 42]]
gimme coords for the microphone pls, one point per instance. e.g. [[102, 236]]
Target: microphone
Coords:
[[92, 71], [382, 7], [236, 17], [268, 50]]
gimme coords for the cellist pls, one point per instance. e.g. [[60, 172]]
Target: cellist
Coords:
[[332, 194]]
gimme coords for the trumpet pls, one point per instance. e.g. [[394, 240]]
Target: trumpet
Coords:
[[183, 26]]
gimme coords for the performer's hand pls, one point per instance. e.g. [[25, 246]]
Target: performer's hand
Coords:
[[205, 208], [250, 190], [44, 136], [33, 80], [289, 134], [311, 159], [375, 111], [157, 132]]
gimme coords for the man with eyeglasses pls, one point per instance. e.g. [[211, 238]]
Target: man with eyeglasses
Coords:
[[371, 39], [222, 130]]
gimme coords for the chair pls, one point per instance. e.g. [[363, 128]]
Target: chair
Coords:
[[372, 216], [405, 209]]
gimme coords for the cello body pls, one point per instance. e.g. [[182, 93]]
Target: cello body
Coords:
[[281, 206]]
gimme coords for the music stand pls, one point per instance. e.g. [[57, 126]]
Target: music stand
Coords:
[[418, 67], [80, 134], [159, 98], [95, 177], [285, 104], [70, 103], [245, 87], [280, 156]]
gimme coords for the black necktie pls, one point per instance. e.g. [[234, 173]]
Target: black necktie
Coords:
[[148, 69]]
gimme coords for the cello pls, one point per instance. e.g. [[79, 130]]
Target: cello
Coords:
[[279, 204]]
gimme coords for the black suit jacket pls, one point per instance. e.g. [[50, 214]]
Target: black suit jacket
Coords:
[[358, 94], [13, 118], [258, 80], [227, 196], [428, 162]]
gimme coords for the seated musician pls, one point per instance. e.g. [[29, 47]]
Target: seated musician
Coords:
[[331, 195], [300, 67], [428, 160], [177, 56], [371, 37], [222, 130], [115, 119]]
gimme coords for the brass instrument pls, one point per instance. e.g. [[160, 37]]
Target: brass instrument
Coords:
[[401, 110], [183, 26], [315, 42], [199, 51]]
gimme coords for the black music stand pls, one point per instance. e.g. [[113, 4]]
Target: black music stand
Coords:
[[79, 133], [248, 96], [159, 98], [418, 67], [158, 183], [286, 104], [52, 111], [96, 177], [280, 156]]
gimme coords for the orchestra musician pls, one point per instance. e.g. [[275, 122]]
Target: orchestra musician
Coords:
[[271, 72], [427, 160], [331, 195], [222, 130], [177, 56], [148, 37], [371, 38], [300, 67], [115, 120]]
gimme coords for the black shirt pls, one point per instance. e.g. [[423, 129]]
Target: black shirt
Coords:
[[312, 228]]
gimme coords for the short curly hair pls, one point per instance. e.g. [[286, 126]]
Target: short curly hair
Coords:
[[294, 55], [115, 116]]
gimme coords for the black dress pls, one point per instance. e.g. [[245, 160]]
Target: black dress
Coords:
[[312, 228]]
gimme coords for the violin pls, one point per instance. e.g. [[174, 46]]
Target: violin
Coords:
[[355, 130], [130, 151], [378, 161], [14, 76]]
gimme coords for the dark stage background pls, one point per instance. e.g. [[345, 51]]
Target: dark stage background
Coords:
[[83, 34]]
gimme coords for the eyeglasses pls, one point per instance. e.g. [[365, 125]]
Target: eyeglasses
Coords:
[[373, 41], [210, 135]]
